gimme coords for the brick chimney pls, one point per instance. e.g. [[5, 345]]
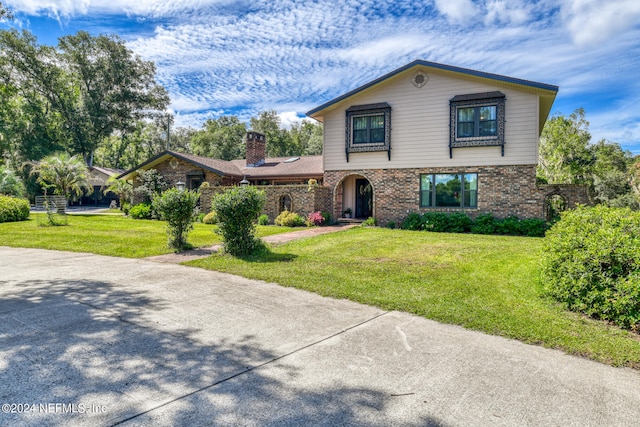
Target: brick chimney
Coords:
[[256, 149]]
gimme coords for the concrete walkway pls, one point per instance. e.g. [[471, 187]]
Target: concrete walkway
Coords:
[[177, 258], [88, 340]]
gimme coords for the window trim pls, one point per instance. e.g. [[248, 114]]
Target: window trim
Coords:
[[475, 100], [368, 110], [433, 196]]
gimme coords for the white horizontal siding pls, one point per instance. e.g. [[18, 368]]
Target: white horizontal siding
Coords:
[[420, 126]]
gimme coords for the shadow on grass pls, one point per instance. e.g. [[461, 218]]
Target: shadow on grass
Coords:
[[87, 342]]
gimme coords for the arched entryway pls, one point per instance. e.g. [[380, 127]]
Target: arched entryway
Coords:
[[554, 204], [355, 197]]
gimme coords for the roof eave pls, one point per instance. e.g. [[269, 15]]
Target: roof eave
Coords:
[[544, 87]]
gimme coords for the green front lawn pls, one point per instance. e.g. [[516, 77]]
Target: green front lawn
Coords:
[[107, 235], [487, 283]]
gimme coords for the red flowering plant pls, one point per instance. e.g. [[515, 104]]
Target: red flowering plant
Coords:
[[315, 218]]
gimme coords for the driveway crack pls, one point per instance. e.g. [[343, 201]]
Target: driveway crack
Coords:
[[251, 368]]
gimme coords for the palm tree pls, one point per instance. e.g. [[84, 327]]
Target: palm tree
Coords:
[[66, 174], [122, 188]]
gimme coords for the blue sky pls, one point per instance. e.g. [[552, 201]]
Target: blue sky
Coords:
[[238, 57]]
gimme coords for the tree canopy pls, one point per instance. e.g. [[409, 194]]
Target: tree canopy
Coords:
[[567, 156], [75, 95]]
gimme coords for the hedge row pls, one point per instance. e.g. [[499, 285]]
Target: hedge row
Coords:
[[13, 209], [459, 222], [591, 263]]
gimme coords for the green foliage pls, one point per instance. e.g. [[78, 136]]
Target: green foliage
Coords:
[[122, 188], [413, 221], [612, 175], [140, 211], [327, 218], [10, 183], [84, 89], [391, 225], [591, 263], [289, 219], [178, 209], [126, 207], [66, 174], [370, 222], [210, 218], [565, 157], [13, 209], [459, 222], [150, 184], [220, 138], [484, 223], [263, 219], [237, 210]]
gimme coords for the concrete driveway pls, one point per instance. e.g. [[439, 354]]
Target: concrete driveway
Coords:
[[92, 340]]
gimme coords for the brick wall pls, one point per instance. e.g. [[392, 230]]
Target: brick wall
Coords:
[[303, 201], [502, 190]]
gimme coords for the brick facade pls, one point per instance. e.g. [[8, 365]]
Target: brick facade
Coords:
[[303, 201], [502, 190]]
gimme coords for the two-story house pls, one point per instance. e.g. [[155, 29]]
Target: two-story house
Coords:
[[433, 136]]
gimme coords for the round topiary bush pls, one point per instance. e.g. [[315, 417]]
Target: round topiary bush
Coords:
[[13, 209], [591, 263]]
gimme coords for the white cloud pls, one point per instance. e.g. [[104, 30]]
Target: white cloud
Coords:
[[506, 12], [239, 57], [594, 21], [457, 10]]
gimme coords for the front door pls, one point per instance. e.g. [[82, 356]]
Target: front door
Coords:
[[364, 199]]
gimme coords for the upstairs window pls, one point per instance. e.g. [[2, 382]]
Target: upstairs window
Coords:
[[368, 128], [477, 120]]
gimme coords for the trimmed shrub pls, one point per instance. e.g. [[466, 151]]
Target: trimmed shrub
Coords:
[[533, 227], [210, 218], [140, 211], [315, 218], [391, 225], [433, 221], [508, 225], [179, 209], [263, 219], [484, 224], [413, 221], [237, 210], [370, 222], [289, 219], [13, 209], [327, 218], [591, 263]]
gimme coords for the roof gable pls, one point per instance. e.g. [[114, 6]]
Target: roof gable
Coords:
[[546, 91]]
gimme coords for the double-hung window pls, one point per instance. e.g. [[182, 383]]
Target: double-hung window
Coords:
[[477, 120], [368, 128], [449, 190]]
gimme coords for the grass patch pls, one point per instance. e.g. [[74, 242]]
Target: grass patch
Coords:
[[107, 235], [486, 283]]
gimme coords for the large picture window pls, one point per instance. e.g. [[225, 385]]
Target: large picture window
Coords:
[[477, 120], [449, 190], [368, 128]]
